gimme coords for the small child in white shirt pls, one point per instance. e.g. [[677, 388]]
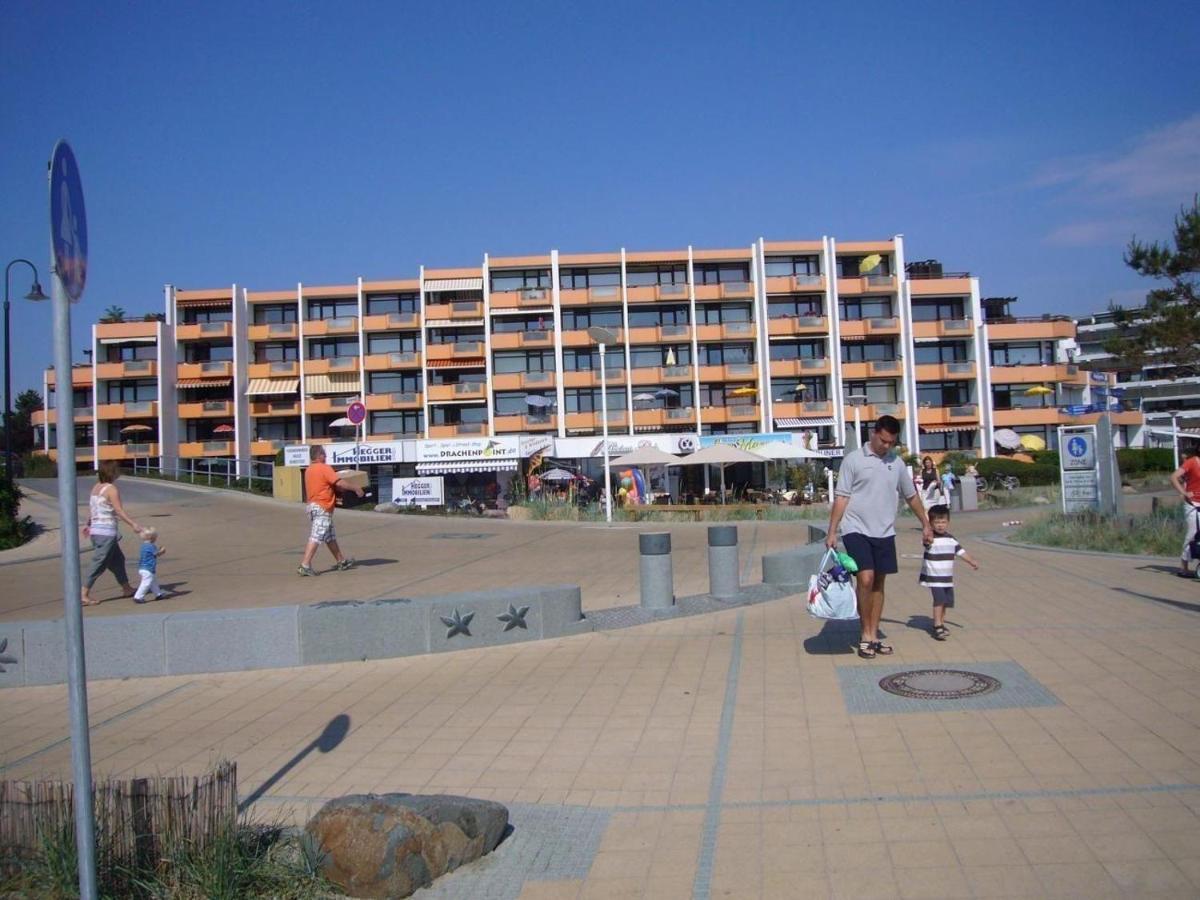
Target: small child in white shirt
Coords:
[[937, 568], [148, 567]]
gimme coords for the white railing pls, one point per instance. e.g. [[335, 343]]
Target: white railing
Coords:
[[215, 470]]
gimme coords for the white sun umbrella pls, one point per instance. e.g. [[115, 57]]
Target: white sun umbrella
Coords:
[[341, 423], [643, 398], [721, 455], [780, 450], [557, 475], [537, 400], [1007, 438]]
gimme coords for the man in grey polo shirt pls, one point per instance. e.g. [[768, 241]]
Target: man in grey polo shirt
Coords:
[[869, 483]]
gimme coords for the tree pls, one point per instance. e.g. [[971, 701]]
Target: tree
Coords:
[[1166, 332], [113, 314], [26, 404]]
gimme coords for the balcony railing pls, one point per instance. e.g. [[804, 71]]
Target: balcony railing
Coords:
[[960, 368], [402, 359], [966, 411], [138, 365], [677, 372], [811, 321], [819, 362], [681, 412], [216, 405], [469, 387], [672, 290], [471, 427], [743, 412], [343, 362], [604, 290], [404, 397], [885, 365], [537, 377], [670, 331], [739, 328], [958, 325], [735, 369], [213, 327], [537, 337], [281, 329], [285, 368], [532, 295], [141, 408], [214, 367], [807, 280], [883, 323]]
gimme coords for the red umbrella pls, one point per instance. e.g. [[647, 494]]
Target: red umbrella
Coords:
[[223, 429]]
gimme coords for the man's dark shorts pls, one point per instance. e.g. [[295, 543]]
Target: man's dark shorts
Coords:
[[876, 554]]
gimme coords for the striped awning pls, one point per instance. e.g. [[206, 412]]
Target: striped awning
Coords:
[[129, 340], [203, 304], [192, 383], [454, 284], [259, 387], [945, 429], [474, 362], [456, 323], [474, 465], [804, 423], [332, 383]]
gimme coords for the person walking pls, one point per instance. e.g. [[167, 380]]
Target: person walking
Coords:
[[104, 513], [1186, 480], [929, 483], [321, 485], [864, 512]]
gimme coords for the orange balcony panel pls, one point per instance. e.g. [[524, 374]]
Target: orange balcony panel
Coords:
[[286, 407], [272, 369], [266, 448], [708, 292], [815, 408], [939, 287], [43, 417], [1046, 329], [204, 331], [509, 340], [708, 332], [195, 449], [144, 410], [945, 328], [407, 400], [743, 413], [855, 370], [338, 325], [866, 284], [645, 375], [1070, 374], [331, 364], [508, 424], [466, 390], [1047, 415], [966, 414], [138, 368], [459, 309], [127, 330], [81, 376], [738, 331], [582, 379], [382, 362], [204, 370], [524, 298], [714, 415], [392, 322], [578, 421], [853, 328], [642, 294], [275, 331], [788, 325], [951, 371], [206, 408], [883, 325], [643, 335], [575, 297], [128, 451], [649, 418], [737, 290], [449, 431]]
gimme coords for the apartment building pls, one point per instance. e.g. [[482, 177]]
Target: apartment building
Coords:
[[776, 337]]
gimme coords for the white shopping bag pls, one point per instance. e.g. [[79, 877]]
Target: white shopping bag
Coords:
[[829, 598]]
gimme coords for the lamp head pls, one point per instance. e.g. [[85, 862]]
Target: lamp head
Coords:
[[35, 292]]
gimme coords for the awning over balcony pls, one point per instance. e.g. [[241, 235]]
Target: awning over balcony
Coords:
[[446, 468], [259, 387], [129, 340], [332, 383], [469, 363], [203, 304], [197, 383], [946, 429], [804, 423], [454, 284]]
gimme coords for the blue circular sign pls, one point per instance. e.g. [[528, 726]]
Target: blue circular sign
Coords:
[[356, 412], [68, 221], [1077, 446]]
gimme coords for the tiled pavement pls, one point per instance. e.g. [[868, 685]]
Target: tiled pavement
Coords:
[[720, 756]]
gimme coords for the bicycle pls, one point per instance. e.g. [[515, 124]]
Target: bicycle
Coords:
[[1007, 482]]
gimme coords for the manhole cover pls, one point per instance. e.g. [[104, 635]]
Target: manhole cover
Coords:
[[939, 684], [457, 536]]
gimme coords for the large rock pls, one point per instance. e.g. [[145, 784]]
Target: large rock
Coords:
[[389, 845]]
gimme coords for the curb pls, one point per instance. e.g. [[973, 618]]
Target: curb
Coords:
[[1000, 538]]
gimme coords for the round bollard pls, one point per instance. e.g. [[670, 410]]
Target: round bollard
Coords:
[[658, 584], [723, 580]]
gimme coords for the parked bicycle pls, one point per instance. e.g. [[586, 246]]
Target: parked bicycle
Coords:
[[1007, 483]]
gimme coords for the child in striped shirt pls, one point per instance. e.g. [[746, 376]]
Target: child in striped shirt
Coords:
[[937, 569]]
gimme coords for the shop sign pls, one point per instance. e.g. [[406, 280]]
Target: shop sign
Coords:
[[620, 444], [349, 454], [425, 491], [480, 449], [746, 441], [296, 456]]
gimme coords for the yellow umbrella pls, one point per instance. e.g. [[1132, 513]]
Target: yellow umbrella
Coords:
[[1032, 442], [1038, 390], [670, 356], [744, 391], [867, 263]]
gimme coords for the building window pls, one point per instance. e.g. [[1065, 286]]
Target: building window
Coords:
[[783, 390], [282, 351], [938, 310], [642, 276], [653, 316], [849, 266], [330, 348], [408, 421], [392, 342], [458, 415], [277, 429], [392, 304], [583, 319], [511, 324], [793, 307], [1027, 354], [129, 352], [139, 390], [854, 309], [721, 273], [200, 352], [940, 352], [200, 315], [395, 382], [455, 336], [788, 350], [1013, 396], [793, 265], [881, 391], [585, 360], [518, 279], [944, 393], [948, 440], [274, 313], [652, 357], [509, 404], [720, 354], [868, 351], [523, 361], [572, 279], [723, 313], [588, 399], [332, 308]]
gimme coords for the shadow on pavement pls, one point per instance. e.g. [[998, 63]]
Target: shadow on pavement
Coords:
[[326, 742], [1178, 604], [1169, 570], [376, 562], [834, 638]]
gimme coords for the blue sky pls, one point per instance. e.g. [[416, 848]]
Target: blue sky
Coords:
[[270, 143]]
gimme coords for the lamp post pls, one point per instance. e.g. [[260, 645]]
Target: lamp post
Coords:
[[857, 401], [604, 336], [35, 293]]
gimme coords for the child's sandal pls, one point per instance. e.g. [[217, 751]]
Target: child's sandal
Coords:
[[940, 633], [866, 649]]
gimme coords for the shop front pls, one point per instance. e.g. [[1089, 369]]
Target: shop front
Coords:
[[479, 470]]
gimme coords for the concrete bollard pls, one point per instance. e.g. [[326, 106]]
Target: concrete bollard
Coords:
[[723, 576], [658, 583]]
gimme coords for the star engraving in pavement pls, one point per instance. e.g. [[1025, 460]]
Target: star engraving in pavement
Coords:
[[457, 623], [514, 618]]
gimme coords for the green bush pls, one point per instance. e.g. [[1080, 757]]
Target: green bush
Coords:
[[38, 465], [1045, 457], [957, 460], [1138, 461], [15, 529], [1028, 473]]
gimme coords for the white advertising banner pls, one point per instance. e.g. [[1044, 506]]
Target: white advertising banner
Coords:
[[296, 456], [341, 455], [427, 491], [481, 449], [620, 444]]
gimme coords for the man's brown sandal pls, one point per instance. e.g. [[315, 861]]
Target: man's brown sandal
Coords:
[[866, 649]]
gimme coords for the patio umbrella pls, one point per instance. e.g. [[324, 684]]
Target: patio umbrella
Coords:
[[744, 391], [557, 475], [223, 429], [537, 400], [670, 356], [1038, 390], [643, 457], [666, 392], [130, 429], [782, 450], [1007, 438], [867, 263], [721, 455], [340, 423], [643, 398], [1032, 442]]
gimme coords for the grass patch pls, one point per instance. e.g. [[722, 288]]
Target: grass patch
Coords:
[[1157, 534], [551, 511]]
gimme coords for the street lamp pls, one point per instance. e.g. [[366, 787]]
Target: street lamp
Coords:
[[35, 293], [604, 336], [857, 401]]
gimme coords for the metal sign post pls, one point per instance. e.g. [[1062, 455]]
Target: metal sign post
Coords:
[[68, 266], [1078, 470]]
